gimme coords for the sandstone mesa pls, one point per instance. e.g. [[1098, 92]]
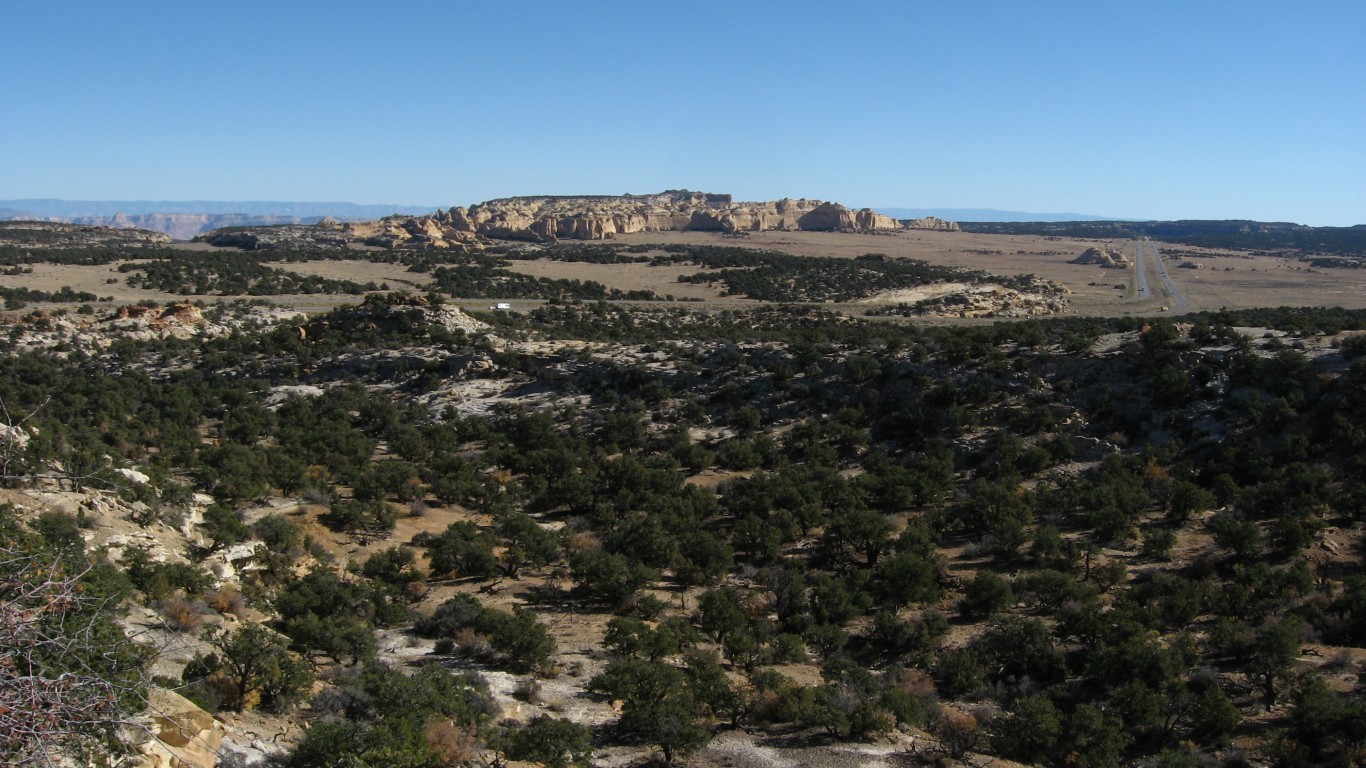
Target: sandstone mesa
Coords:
[[549, 219]]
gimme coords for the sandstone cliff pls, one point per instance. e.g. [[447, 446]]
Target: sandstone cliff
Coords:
[[548, 219]]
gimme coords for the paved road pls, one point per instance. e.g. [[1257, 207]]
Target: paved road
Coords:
[[1178, 301], [1141, 274]]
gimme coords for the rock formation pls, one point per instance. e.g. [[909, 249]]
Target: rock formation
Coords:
[[548, 219], [65, 333], [1102, 257], [183, 735], [930, 222]]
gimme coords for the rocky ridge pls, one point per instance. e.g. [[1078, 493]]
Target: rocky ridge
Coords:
[[549, 219], [59, 235], [1024, 297], [62, 331]]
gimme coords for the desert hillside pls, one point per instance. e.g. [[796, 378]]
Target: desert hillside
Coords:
[[789, 498]]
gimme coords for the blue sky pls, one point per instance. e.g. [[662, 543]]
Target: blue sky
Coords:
[[1139, 109]]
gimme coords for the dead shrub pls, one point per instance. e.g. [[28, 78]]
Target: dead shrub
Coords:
[[582, 541], [958, 732], [1340, 661], [453, 744], [528, 689], [916, 683], [180, 614], [226, 601], [317, 497], [472, 645], [416, 591]]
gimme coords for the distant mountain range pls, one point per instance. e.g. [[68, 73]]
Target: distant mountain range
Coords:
[[987, 214], [51, 208], [183, 219]]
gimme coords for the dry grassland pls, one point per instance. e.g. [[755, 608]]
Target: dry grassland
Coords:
[[1225, 278], [396, 275], [92, 279], [628, 277], [1228, 278]]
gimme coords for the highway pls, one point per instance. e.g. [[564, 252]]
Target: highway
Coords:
[[1178, 301], [1141, 274]]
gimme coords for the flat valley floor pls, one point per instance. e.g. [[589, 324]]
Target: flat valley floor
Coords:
[[1210, 279]]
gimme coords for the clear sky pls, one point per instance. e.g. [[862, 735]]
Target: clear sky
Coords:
[[1164, 109]]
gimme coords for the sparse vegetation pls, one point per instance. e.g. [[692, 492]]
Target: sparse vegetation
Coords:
[[1072, 541]]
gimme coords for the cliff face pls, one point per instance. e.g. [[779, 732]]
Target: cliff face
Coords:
[[547, 219], [535, 219]]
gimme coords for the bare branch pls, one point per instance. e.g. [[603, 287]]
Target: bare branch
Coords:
[[66, 673]]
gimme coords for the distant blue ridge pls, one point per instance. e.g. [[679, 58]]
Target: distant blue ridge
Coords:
[[985, 214], [52, 208]]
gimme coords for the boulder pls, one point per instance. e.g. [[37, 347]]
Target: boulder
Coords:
[[133, 476], [181, 734]]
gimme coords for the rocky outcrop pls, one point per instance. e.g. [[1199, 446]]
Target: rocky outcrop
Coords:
[[64, 333], [549, 219], [330, 234], [1103, 258], [182, 734], [546, 219], [931, 223], [179, 321], [1023, 296], [384, 311]]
